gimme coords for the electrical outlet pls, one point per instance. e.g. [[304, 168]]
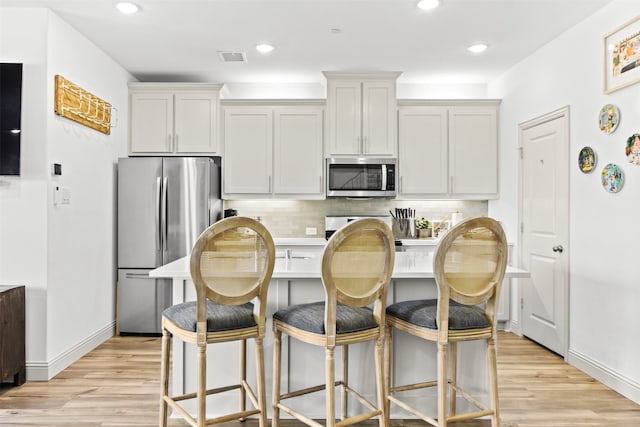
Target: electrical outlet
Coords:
[[311, 231]]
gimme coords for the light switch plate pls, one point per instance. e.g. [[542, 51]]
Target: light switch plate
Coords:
[[311, 231], [57, 198], [66, 196]]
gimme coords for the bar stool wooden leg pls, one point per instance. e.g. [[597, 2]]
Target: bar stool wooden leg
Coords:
[[202, 385], [380, 383], [453, 376], [260, 381], [387, 380], [330, 386], [345, 381], [277, 348], [164, 376], [243, 376], [442, 384], [493, 381]]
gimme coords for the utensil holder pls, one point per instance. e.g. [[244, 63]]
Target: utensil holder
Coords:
[[404, 228]]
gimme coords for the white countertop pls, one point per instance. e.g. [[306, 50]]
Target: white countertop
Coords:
[[318, 241], [408, 265], [299, 241]]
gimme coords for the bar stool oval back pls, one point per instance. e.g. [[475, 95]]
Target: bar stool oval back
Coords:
[[356, 269], [469, 265], [231, 267]]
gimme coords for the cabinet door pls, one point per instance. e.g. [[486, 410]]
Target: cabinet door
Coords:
[[196, 122], [422, 150], [473, 156], [378, 119], [248, 143], [344, 101], [298, 151], [151, 123]]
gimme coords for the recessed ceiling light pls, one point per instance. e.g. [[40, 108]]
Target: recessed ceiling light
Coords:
[[264, 47], [428, 4], [477, 48], [127, 8]]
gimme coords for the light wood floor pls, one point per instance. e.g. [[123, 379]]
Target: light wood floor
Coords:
[[117, 384]]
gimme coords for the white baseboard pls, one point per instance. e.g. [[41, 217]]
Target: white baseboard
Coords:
[[619, 383], [44, 371], [515, 328]]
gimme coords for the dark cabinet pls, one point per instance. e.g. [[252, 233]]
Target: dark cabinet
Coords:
[[12, 335]]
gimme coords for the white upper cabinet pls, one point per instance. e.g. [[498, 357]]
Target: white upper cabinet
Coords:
[[473, 151], [248, 147], [298, 162], [361, 114], [448, 151], [174, 118], [423, 151], [273, 151]]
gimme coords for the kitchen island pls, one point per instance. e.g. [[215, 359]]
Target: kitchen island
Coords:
[[295, 280]]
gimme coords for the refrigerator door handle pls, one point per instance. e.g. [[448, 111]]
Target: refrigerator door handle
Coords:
[[164, 221], [136, 276], [158, 222]]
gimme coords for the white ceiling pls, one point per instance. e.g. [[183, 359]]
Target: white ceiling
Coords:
[[178, 40]]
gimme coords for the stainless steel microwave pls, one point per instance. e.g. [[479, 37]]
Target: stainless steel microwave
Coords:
[[361, 177]]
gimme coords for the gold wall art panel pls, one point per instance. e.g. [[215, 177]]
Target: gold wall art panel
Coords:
[[75, 103]]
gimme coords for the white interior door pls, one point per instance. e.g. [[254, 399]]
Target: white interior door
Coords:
[[544, 230]]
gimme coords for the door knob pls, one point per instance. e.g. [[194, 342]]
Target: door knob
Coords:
[[558, 248]]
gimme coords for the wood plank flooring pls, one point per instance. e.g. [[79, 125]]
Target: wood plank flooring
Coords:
[[117, 385]]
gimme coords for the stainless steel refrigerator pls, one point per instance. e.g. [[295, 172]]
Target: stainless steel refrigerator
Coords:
[[164, 203]]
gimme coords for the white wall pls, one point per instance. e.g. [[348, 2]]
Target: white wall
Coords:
[[23, 200], [604, 241], [65, 255], [81, 236]]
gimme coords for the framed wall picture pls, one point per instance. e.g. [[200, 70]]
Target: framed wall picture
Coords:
[[622, 56]]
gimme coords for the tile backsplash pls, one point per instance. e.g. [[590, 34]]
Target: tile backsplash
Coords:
[[291, 218]]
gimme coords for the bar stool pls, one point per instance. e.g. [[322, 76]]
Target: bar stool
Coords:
[[356, 269], [231, 267], [469, 265]]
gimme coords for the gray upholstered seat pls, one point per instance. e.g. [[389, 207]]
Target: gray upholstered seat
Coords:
[[310, 317], [424, 313], [219, 317]]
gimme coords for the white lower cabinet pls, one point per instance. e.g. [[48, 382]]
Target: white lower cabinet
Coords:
[[273, 151], [448, 151]]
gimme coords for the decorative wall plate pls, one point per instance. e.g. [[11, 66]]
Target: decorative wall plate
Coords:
[[587, 160], [632, 150], [609, 118], [612, 178]]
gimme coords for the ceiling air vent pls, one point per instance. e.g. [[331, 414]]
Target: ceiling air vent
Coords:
[[232, 56]]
